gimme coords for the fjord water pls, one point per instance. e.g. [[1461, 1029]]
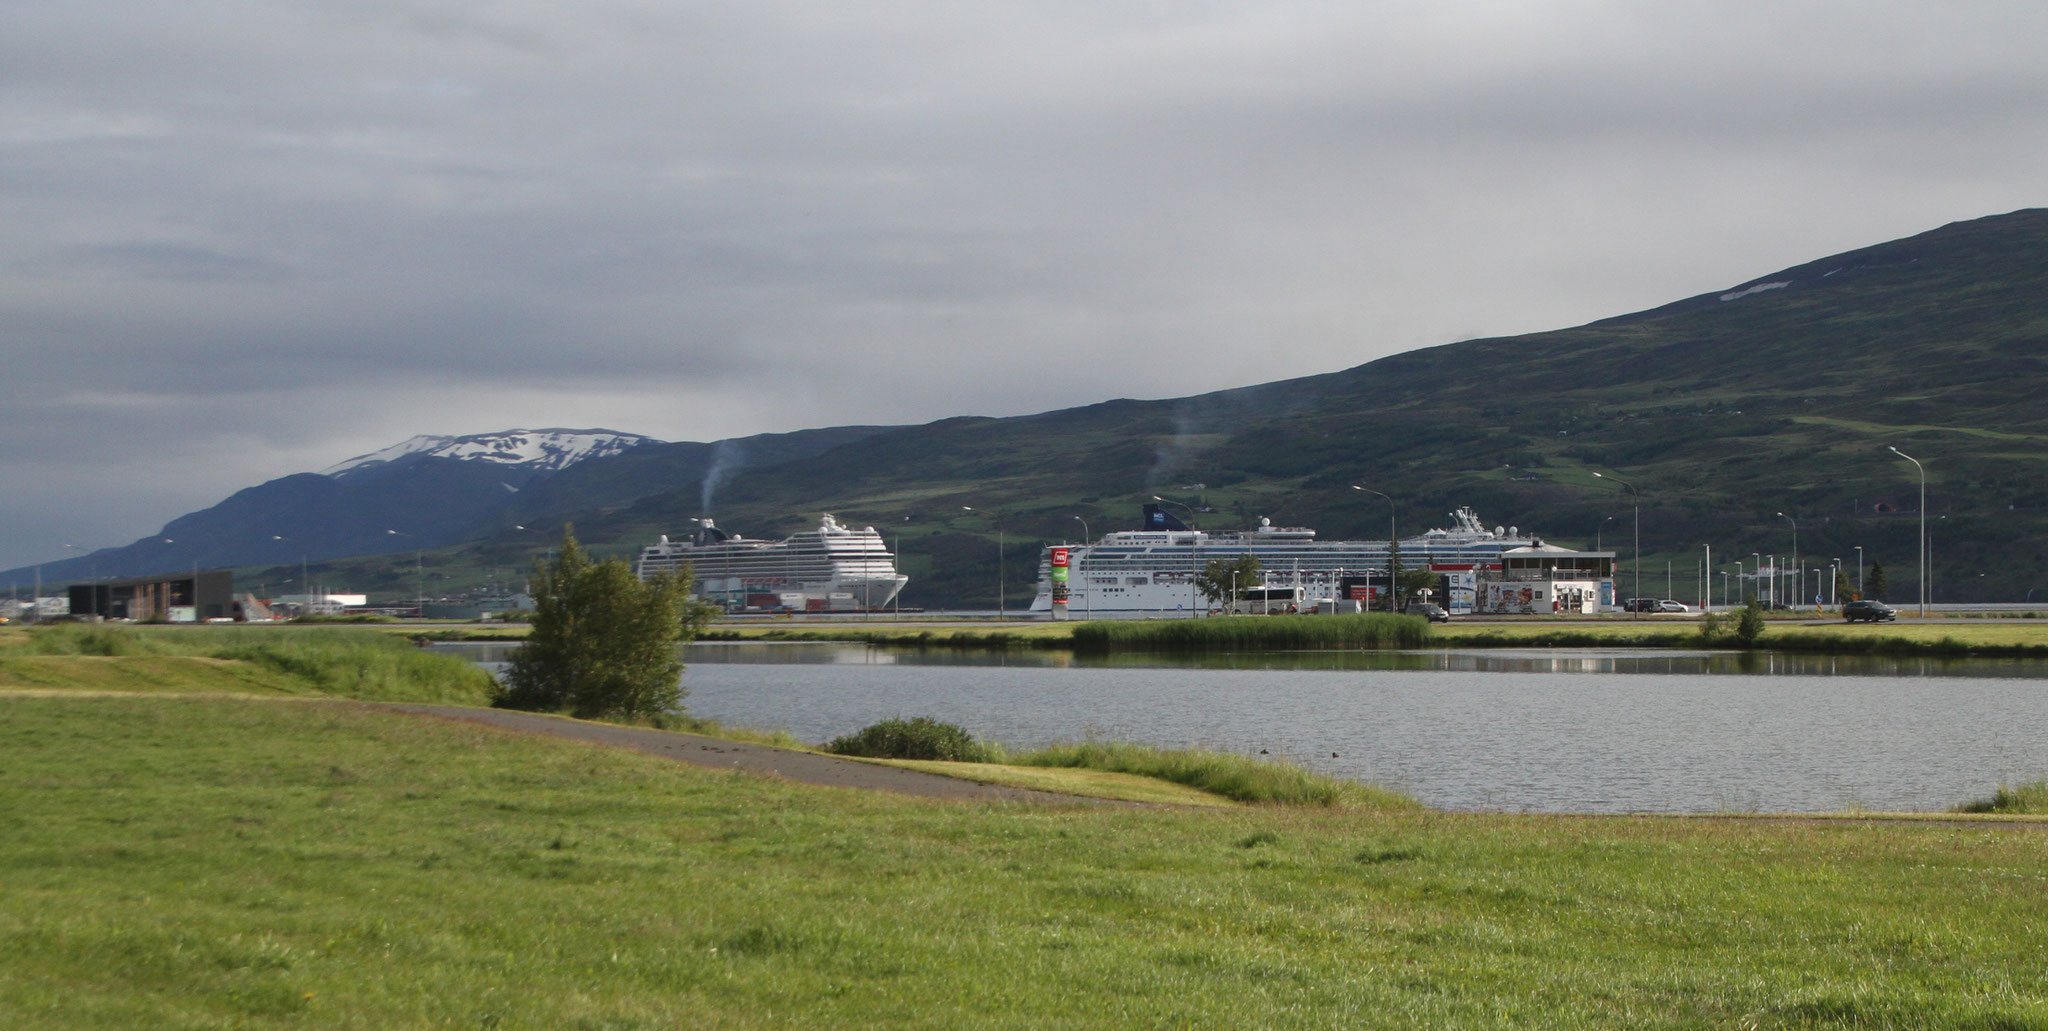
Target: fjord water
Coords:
[[1592, 732]]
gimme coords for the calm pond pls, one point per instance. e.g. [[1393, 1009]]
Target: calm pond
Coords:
[[1522, 730]]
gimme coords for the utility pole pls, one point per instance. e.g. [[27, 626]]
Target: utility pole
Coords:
[[1636, 507], [1923, 525]]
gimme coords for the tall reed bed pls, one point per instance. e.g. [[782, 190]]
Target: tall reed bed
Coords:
[[1241, 777], [1253, 633], [348, 663]]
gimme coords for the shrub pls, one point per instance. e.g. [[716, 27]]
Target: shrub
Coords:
[[1710, 625], [918, 738], [1750, 625], [2031, 797], [603, 640], [1241, 777]]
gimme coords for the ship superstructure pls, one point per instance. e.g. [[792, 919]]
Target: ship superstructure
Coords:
[[1152, 571], [832, 568]]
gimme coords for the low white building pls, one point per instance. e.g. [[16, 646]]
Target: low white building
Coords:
[[320, 604], [1540, 578]]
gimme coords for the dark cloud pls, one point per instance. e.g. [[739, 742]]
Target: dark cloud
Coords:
[[247, 239]]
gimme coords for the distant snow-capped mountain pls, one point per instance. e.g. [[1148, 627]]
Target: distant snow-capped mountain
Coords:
[[549, 450]]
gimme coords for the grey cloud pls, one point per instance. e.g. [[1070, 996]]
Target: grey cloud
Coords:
[[733, 218]]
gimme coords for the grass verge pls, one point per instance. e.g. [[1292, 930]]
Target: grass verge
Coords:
[[1241, 778], [2029, 799], [346, 663], [1086, 783], [228, 862]]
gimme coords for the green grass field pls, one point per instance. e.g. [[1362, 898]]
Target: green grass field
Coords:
[[256, 863]]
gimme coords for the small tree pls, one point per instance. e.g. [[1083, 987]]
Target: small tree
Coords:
[[1843, 588], [1413, 582], [603, 641], [1750, 625], [1223, 576], [1710, 625], [1875, 586]]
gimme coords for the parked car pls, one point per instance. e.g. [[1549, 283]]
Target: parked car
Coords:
[[1429, 610], [1639, 605], [1869, 611], [1667, 605]]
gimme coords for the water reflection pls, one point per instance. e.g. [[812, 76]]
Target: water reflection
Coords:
[[1471, 660]]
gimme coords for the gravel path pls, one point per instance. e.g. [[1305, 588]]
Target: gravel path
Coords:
[[757, 759]]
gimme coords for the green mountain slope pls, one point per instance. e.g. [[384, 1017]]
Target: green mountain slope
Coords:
[[1779, 394]]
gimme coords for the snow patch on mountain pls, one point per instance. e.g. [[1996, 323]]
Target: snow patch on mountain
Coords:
[[1734, 295], [549, 450]]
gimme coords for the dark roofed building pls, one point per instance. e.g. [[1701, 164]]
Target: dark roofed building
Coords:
[[207, 594]]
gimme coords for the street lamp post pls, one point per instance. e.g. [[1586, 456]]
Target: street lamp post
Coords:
[[1392, 544], [1088, 600], [1795, 554], [1859, 569], [1636, 553], [1923, 525]]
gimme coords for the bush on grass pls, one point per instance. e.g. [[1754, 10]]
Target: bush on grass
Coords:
[[2028, 798], [918, 738]]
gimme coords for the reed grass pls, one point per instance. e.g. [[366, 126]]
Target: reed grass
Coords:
[[1253, 633], [1239, 777], [2030, 798]]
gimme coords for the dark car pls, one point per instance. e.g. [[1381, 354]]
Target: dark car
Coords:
[[1640, 605], [1869, 611], [1429, 610]]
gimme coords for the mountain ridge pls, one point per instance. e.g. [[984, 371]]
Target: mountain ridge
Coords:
[[1723, 409]]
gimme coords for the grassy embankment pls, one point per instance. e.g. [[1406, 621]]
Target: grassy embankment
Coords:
[[256, 863], [345, 663], [371, 665]]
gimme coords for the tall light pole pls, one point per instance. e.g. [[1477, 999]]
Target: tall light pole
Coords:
[[1636, 555], [1756, 579], [1194, 574], [1795, 554], [1923, 524], [899, 557], [1002, 602], [1088, 601], [420, 577], [1392, 545], [1859, 569]]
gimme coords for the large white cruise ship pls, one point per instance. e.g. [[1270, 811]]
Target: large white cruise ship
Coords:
[[1152, 571], [831, 568]]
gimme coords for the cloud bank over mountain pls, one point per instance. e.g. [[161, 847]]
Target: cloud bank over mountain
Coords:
[[250, 239]]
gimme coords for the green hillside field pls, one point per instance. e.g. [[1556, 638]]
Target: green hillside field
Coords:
[[1722, 413]]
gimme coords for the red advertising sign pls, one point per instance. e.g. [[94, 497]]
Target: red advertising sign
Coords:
[[1059, 556]]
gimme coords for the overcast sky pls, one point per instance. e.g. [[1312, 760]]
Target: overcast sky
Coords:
[[245, 239]]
